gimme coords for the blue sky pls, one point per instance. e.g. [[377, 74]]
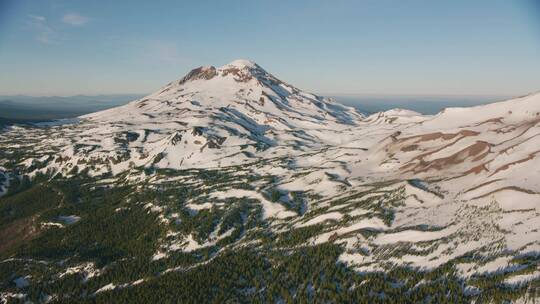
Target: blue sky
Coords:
[[57, 47]]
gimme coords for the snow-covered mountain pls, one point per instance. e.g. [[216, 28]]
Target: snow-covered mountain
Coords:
[[459, 189], [214, 117]]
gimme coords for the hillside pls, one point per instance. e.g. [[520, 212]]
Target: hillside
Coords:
[[239, 187]]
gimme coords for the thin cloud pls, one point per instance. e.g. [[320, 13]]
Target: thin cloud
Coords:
[[37, 18], [75, 19], [167, 52], [44, 33], [161, 51]]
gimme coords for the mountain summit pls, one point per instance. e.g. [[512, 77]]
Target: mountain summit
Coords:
[[244, 69], [210, 113], [241, 63]]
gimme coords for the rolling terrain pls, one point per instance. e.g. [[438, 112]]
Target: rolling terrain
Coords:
[[230, 185]]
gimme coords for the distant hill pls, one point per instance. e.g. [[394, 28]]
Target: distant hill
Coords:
[[425, 104], [21, 107]]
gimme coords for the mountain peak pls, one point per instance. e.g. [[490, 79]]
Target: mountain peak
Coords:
[[241, 63], [241, 68], [237, 96]]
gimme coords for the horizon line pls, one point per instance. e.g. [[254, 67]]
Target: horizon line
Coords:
[[330, 94]]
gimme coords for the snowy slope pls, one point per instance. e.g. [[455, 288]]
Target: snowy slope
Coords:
[[214, 113], [394, 188]]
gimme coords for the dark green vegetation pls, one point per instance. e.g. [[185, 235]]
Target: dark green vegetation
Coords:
[[120, 230], [15, 121]]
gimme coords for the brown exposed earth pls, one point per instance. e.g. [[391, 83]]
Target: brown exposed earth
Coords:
[[18, 232], [482, 185], [506, 166], [513, 188], [476, 151]]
